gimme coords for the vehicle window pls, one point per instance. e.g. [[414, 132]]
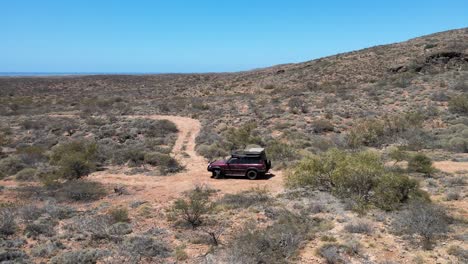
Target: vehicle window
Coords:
[[252, 161], [234, 161]]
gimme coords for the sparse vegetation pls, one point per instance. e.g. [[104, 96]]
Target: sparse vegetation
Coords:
[[425, 220], [459, 104], [342, 128], [194, 206], [8, 224], [278, 243]]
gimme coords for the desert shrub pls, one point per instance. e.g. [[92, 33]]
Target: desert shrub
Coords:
[[459, 104], [98, 226], [169, 165], [58, 211], [30, 212], [332, 253], [27, 174], [237, 138], [297, 105], [154, 158], [166, 163], [13, 256], [440, 97], [360, 176], [459, 252], [278, 243], [11, 165], [397, 154], [197, 105], [280, 152], [394, 189], [48, 249], [452, 196], [361, 227], [146, 246], [31, 155], [212, 151], [245, 199], [180, 253], [7, 222], [79, 256], [425, 220], [79, 190], [458, 144], [134, 156], [374, 132], [119, 215], [194, 206], [75, 159], [368, 133], [420, 163], [40, 227], [322, 125], [150, 128]]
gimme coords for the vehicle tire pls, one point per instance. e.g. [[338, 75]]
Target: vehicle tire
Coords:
[[217, 174], [252, 174]]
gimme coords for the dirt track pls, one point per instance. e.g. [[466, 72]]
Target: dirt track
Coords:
[[164, 188]]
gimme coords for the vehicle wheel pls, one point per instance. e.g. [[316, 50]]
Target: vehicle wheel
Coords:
[[217, 174], [252, 174]]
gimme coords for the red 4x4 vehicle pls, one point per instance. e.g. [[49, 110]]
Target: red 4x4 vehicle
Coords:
[[250, 163]]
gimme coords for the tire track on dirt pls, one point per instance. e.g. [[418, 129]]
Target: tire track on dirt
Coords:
[[164, 188]]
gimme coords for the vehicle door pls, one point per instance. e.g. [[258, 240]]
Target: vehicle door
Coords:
[[233, 167]]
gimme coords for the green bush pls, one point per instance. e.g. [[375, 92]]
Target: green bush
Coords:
[[212, 151], [75, 166], [11, 165], [32, 154], [459, 104], [458, 144], [119, 215], [280, 152], [397, 154], [28, 174], [359, 176], [237, 138], [420, 163], [374, 132], [75, 159], [394, 189]]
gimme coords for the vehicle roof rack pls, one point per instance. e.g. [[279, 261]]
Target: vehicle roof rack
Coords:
[[250, 152]]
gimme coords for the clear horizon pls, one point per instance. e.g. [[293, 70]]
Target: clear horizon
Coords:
[[159, 37]]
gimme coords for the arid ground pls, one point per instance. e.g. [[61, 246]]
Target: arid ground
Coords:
[[369, 152]]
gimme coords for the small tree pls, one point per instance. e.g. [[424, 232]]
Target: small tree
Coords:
[[194, 206], [75, 159]]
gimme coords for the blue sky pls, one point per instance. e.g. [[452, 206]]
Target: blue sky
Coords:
[[205, 35]]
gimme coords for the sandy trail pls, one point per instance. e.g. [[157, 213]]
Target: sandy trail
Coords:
[[164, 188]]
